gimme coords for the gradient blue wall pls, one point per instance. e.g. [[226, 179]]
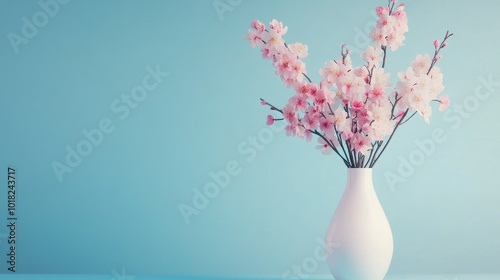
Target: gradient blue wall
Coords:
[[119, 207]]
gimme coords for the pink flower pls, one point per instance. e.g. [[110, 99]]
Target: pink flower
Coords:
[[273, 42], [401, 17], [445, 102], [404, 88], [421, 64], [380, 129], [307, 134], [283, 64], [290, 114], [380, 77], [299, 102], [313, 111], [357, 105], [266, 53], [259, 26], [323, 146], [302, 89], [310, 122], [313, 89], [340, 116], [254, 38], [390, 28], [378, 37], [297, 71], [395, 40], [378, 113], [299, 49], [372, 55], [290, 82], [292, 130], [376, 91], [346, 134], [326, 125], [360, 72], [278, 27], [417, 100], [270, 120], [332, 71], [426, 112], [320, 98], [361, 143], [382, 11]]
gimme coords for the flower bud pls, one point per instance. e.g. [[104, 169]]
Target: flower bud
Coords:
[[270, 120], [436, 43]]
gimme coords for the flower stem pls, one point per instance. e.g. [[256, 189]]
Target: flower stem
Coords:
[[274, 108], [384, 48], [331, 145], [438, 49]]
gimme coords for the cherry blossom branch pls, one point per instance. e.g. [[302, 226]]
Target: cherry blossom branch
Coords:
[[438, 46], [371, 154], [315, 132], [361, 160], [339, 138], [409, 118], [286, 46], [348, 145], [352, 154], [396, 99], [354, 150], [344, 53], [378, 143], [389, 140], [274, 108], [384, 48], [307, 77], [391, 7]]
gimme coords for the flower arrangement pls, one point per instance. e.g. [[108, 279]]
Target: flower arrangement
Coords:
[[354, 111]]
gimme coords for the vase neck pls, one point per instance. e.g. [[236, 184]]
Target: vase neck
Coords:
[[359, 177]]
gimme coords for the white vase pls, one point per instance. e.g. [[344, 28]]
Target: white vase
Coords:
[[359, 241]]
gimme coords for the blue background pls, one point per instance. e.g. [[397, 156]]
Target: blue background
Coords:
[[119, 208]]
